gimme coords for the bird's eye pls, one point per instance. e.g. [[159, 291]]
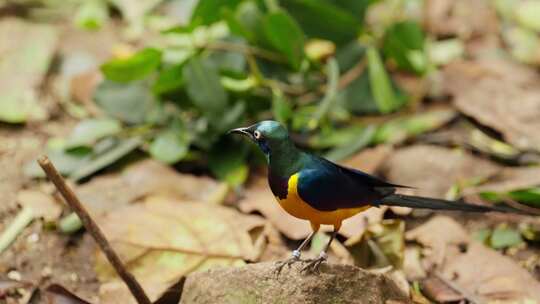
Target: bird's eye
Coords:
[[257, 134]]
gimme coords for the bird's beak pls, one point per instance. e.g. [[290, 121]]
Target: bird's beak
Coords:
[[242, 131]]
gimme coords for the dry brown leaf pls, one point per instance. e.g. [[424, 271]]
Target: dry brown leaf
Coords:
[[502, 95], [433, 170], [369, 160], [479, 271], [42, 205], [27, 50], [463, 18], [162, 239], [412, 265], [437, 290], [148, 177], [510, 179]]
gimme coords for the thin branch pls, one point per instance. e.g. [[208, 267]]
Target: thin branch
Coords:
[[521, 207], [345, 80], [71, 199], [245, 49]]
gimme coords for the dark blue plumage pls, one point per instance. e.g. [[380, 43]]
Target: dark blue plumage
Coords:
[[327, 186]]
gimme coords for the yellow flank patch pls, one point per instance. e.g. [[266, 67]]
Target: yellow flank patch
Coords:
[[297, 207]]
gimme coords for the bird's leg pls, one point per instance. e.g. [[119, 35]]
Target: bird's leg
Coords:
[[295, 256], [313, 265]]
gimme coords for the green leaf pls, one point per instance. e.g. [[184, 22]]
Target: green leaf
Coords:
[[203, 85], [350, 55], [527, 196], [358, 96], [66, 162], [284, 35], [444, 51], [503, 237], [482, 235], [330, 137], [229, 62], [528, 14], [210, 11], [404, 43], [246, 21], [92, 14], [381, 86], [281, 107], [227, 162], [343, 151], [169, 80], [106, 158], [89, 131], [400, 129], [324, 19], [332, 71], [129, 102], [27, 52], [135, 67], [170, 146]]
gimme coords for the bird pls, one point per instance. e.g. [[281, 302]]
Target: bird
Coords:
[[322, 192]]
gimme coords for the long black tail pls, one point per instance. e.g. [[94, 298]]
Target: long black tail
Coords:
[[440, 204]]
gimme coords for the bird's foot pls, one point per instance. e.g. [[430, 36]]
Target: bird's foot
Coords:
[[313, 265], [288, 262]]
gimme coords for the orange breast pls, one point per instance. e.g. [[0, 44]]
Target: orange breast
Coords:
[[295, 206]]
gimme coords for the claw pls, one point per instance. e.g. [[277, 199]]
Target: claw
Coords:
[[288, 262], [312, 266]]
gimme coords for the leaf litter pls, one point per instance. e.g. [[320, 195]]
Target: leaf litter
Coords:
[[479, 271], [161, 239]]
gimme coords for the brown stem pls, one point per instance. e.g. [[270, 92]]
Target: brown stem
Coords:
[[514, 204], [245, 49], [71, 199]]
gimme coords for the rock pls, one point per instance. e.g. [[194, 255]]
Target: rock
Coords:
[[257, 283]]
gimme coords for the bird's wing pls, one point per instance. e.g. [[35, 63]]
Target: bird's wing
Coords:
[[327, 186]]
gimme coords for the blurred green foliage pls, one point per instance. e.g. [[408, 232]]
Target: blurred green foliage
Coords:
[[241, 61]]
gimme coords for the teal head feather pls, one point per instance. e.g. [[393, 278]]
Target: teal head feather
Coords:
[[274, 141]]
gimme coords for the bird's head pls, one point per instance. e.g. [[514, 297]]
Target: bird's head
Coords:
[[268, 134]]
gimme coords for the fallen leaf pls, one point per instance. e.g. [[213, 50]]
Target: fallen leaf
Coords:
[[8, 286], [437, 290], [162, 239], [412, 264], [434, 170], [463, 18], [20, 77], [479, 271], [369, 160], [501, 95], [503, 237], [57, 294], [510, 179], [144, 178], [42, 205]]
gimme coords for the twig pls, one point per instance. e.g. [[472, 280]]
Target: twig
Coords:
[[23, 218], [351, 75], [245, 49], [521, 207], [71, 199]]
